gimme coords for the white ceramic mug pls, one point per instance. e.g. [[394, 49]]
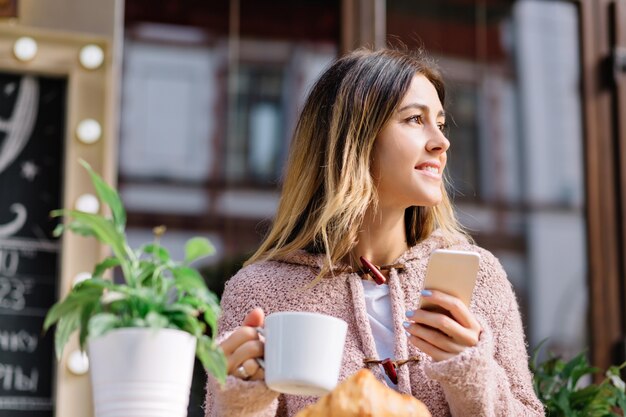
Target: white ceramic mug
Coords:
[[303, 352]]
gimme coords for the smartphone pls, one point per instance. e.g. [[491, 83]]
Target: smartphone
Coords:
[[453, 272]]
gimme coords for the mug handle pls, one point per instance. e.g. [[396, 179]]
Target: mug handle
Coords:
[[260, 361]]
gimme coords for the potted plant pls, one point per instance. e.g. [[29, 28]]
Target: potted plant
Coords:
[[558, 385], [141, 334]]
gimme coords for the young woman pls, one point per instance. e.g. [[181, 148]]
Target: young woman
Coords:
[[365, 179]]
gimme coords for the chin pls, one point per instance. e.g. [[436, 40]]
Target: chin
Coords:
[[431, 201], [434, 204], [423, 204]]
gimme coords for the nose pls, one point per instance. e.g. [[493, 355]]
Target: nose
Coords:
[[438, 142]]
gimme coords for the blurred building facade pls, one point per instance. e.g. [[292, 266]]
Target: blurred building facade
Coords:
[[209, 93], [519, 102]]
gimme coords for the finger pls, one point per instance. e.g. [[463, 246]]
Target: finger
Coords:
[[437, 320], [455, 306], [255, 318], [249, 350], [447, 326], [432, 351], [435, 338], [254, 370], [240, 336]]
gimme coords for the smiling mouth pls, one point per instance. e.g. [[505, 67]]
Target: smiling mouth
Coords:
[[432, 169], [429, 171]]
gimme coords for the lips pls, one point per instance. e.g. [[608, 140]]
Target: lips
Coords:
[[430, 168]]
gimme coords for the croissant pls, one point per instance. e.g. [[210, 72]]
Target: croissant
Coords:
[[362, 395]]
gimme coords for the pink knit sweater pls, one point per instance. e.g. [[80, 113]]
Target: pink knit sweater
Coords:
[[489, 379]]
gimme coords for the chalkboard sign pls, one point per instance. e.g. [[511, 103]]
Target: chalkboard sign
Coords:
[[32, 131]]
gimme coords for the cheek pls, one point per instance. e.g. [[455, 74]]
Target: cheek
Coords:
[[375, 167]]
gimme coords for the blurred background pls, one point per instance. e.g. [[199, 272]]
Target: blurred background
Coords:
[[207, 94]]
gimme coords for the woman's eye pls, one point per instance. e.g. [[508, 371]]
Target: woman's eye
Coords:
[[442, 126], [417, 119]]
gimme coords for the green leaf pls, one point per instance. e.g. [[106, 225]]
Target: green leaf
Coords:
[[137, 322], [89, 310], [157, 251], [584, 396], [191, 325], [575, 368], [207, 296], [562, 400], [210, 317], [188, 279], [579, 372], [103, 229], [81, 229], [74, 226], [186, 309], [198, 247], [70, 312], [144, 269], [110, 297], [212, 358], [613, 374], [62, 228], [58, 230], [156, 320], [102, 323], [109, 196], [107, 263], [66, 326], [208, 303], [82, 294], [621, 402]]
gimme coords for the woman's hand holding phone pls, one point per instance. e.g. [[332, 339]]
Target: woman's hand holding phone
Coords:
[[444, 326], [439, 335]]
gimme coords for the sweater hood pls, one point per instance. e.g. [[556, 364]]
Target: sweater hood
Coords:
[[421, 250]]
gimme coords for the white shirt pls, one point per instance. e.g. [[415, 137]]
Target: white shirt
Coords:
[[378, 306]]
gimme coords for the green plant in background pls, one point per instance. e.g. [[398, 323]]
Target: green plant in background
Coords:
[[557, 384], [157, 292]]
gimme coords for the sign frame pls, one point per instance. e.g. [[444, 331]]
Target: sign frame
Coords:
[[91, 94]]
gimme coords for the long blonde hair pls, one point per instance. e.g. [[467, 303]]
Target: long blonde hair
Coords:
[[327, 182]]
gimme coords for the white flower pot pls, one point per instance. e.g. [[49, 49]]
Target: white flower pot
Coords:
[[142, 372]]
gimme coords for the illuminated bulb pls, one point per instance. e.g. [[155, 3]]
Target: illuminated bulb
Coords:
[[87, 203], [78, 363], [91, 56], [25, 48], [89, 131]]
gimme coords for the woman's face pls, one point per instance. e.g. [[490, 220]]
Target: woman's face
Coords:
[[409, 154]]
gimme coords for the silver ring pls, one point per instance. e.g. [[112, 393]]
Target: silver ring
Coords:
[[241, 371]]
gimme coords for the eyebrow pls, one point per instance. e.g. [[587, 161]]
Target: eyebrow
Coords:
[[422, 107]]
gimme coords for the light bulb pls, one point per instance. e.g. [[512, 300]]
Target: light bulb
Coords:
[[25, 48], [87, 203], [89, 131], [91, 56]]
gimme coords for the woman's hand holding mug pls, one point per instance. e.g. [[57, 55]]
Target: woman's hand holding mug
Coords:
[[244, 349], [303, 351]]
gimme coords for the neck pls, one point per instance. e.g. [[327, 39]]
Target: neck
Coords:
[[382, 238]]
